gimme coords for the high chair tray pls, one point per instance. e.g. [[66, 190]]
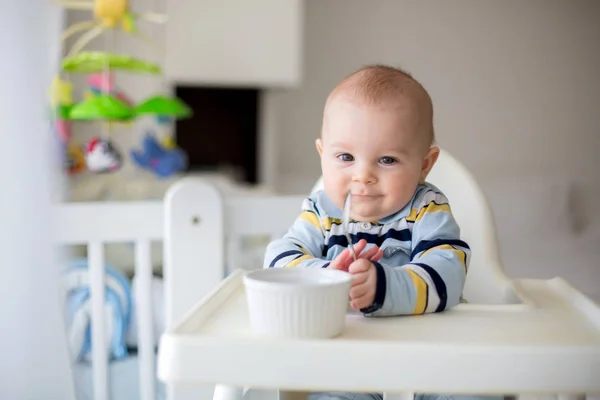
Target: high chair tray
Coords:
[[552, 345]]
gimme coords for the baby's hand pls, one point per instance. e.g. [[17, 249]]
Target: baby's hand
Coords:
[[345, 258], [364, 281]]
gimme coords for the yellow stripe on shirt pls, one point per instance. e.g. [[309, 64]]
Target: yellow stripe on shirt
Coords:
[[311, 218], [328, 222], [460, 254], [298, 260], [420, 292], [432, 207]]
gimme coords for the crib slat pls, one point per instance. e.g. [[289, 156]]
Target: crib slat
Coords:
[[143, 304], [99, 349]]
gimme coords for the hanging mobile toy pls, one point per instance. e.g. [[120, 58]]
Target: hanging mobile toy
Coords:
[[163, 157], [61, 101], [107, 14], [162, 161], [104, 102], [74, 159], [101, 156], [100, 83]]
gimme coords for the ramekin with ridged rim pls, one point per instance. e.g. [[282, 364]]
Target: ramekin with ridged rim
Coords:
[[297, 302]]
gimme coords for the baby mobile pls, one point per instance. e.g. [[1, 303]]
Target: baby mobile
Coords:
[[104, 103]]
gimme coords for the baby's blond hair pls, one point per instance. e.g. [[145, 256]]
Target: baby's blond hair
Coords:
[[377, 84]]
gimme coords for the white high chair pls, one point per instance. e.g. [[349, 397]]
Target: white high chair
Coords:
[[513, 337]]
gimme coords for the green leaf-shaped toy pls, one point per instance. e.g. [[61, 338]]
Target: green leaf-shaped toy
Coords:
[[102, 107], [164, 107], [95, 61], [63, 112]]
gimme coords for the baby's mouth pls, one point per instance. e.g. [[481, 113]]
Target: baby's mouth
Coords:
[[365, 196]]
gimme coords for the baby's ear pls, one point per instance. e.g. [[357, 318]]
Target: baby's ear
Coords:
[[428, 162], [319, 144]]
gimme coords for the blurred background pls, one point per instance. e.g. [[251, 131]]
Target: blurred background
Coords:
[[514, 83], [515, 86]]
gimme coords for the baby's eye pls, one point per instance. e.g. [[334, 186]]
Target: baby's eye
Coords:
[[387, 160], [345, 157]]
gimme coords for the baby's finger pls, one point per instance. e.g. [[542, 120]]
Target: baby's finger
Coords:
[[337, 263], [359, 303], [358, 291], [377, 256], [342, 261], [358, 247], [346, 254], [360, 265], [359, 278], [367, 254]]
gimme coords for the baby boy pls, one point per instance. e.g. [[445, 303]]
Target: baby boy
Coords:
[[377, 144]]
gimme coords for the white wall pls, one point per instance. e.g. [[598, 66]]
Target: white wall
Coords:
[[234, 42], [34, 362], [516, 92]]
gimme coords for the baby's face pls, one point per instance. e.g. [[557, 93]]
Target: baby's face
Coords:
[[373, 151]]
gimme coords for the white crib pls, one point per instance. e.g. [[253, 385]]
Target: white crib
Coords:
[[201, 231], [98, 224], [187, 231]]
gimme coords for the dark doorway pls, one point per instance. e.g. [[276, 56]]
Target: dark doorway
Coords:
[[223, 132]]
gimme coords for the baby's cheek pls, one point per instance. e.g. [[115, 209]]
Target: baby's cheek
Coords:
[[335, 190]]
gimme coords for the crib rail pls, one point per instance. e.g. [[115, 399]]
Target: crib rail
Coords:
[[82, 223], [95, 225], [200, 230]]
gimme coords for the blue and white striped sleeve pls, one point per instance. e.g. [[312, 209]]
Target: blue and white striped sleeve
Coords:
[[434, 278], [302, 245]]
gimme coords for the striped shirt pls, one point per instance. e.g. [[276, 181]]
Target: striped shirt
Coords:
[[424, 261]]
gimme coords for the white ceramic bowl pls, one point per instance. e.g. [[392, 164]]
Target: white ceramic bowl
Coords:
[[297, 302]]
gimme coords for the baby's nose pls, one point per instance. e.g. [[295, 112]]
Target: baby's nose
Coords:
[[365, 175]]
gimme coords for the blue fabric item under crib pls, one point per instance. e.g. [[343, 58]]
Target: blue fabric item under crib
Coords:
[[78, 309], [118, 347]]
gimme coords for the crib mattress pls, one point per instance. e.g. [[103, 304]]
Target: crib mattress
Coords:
[[551, 343]]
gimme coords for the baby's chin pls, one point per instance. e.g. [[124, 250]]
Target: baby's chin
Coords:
[[368, 215]]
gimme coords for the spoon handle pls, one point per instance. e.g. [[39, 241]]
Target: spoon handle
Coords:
[[351, 246], [346, 222]]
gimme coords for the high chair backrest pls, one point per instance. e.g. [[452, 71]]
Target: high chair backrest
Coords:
[[486, 281]]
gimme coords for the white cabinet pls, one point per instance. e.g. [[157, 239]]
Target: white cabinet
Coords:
[[234, 42]]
